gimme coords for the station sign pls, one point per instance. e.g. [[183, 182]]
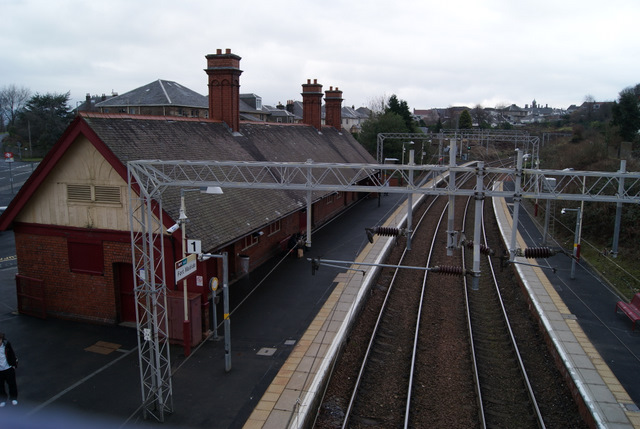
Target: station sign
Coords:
[[213, 284], [186, 266], [194, 246]]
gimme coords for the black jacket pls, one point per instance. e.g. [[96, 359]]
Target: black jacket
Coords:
[[10, 354]]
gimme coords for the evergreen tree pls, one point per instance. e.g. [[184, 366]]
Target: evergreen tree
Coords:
[[396, 118], [465, 122], [626, 113], [438, 127], [401, 108], [387, 122], [45, 117]]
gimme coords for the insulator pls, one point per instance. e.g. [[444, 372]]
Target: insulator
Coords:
[[483, 249], [538, 252], [389, 231], [383, 230], [449, 270]]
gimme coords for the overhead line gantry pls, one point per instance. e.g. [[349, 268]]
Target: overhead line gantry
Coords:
[[149, 178]]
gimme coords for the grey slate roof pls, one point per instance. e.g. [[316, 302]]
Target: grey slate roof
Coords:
[[158, 93], [218, 220]]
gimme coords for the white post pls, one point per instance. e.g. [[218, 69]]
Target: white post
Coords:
[[516, 204], [227, 320], [616, 227], [410, 202], [576, 243], [477, 226], [309, 205], [186, 326], [451, 233]]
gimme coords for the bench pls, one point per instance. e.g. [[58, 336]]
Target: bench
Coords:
[[631, 310]]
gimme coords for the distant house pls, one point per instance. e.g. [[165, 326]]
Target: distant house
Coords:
[[90, 102], [428, 116], [352, 118], [71, 218], [251, 108], [279, 114], [514, 114], [158, 98]]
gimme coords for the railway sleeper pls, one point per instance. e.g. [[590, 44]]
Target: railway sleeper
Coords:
[[490, 388], [490, 348]]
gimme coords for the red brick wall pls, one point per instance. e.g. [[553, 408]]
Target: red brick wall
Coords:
[[224, 88], [71, 295], [43, 254], [312, 104], [333, 108], [328, 207]]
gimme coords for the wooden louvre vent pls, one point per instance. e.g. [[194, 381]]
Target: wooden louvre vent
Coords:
[[93, 194], [107, 194]]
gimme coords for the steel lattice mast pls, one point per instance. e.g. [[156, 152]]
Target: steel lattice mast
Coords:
[[147, 248]]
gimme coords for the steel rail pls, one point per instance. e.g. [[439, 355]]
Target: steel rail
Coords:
[[474, 361], [370, 345], [521, 366], [417, 328]]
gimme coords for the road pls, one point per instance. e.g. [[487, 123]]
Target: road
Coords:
[[12, 177]]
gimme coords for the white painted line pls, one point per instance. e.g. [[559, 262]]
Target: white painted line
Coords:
[[73, 386]]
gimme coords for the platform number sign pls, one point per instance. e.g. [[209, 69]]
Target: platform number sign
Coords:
[[194, 246]]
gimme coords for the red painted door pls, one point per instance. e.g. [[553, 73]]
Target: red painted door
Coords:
[[303, 220], [127, 296]]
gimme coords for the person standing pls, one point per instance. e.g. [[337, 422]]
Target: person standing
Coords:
[[8, 364]]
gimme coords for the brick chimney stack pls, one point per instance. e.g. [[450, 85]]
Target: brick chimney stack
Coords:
[[224, 88], [312, 104], [333, 108]]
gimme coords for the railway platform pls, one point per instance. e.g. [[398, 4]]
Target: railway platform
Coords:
[[585, 333], [597, 347]]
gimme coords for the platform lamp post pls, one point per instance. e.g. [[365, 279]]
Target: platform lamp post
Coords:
[[576, 239], [403, 150], [225, 302], [182, 220]]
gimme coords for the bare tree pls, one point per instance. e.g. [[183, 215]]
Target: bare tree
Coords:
[[481, 116], [12, 100], [378, 104]]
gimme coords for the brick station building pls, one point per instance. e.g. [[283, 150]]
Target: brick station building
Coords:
[[71, 218]]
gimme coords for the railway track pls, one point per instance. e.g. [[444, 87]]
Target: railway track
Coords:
[[505, 395], [409, 362]]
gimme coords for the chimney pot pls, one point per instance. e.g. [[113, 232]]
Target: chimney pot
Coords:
[[227, 51], [333, 108], [312, 104], [224, 72]]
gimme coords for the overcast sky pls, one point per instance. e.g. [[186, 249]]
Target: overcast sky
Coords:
[[429, 53]]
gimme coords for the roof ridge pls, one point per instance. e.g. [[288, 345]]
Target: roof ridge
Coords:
[[165, 91], [97, 115]]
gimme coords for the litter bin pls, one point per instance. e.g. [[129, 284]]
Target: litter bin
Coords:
[[244, 264]]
